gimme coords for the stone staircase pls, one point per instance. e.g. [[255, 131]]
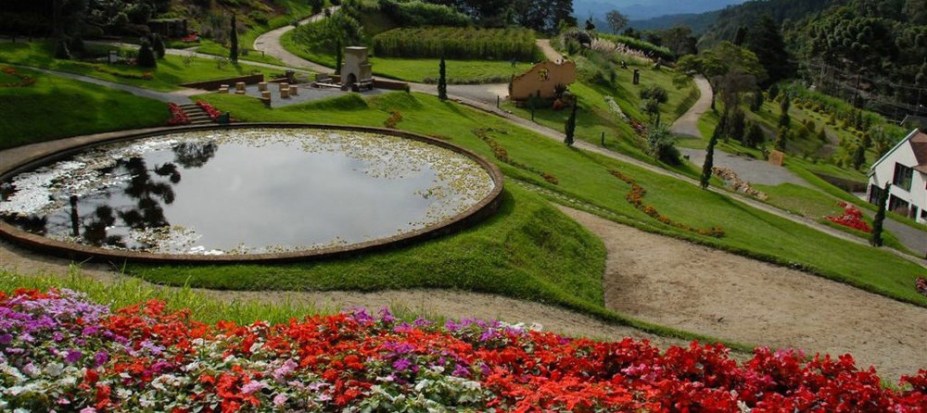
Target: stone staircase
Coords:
[[196, 114]]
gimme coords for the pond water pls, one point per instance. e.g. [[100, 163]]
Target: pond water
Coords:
[[245, 191]]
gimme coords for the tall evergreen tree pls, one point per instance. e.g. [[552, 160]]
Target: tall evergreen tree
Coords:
[[146, 56], [859, 156], [784, 119], [877, 222], [740, 36], [157, 43], [442, 80], [754, 135], [339, 56], [233, 39], [765, 40], [571, 125], [709, 163]]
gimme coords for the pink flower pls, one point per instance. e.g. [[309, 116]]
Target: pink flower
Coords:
[[280, 400]]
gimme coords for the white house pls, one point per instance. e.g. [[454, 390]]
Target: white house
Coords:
[[905, 167]]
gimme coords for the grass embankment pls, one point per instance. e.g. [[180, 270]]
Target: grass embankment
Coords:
[[419, 70], [55, 107], [595, 117], [586, 178], [168, 75]]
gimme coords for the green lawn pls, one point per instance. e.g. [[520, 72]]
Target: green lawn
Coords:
[[421, 70], [170, 73], [210, 47], [56, 107], [586, 177]]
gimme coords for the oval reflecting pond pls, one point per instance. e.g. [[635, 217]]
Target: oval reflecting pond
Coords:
[[245, 191]]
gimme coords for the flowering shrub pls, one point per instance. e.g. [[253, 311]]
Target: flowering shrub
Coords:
[[852, 218], [209, 109], [178, 116], [921, 285], [394, 118], [502, 155], [635, 197], [59, 351]]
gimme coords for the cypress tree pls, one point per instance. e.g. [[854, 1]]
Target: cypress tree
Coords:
[[876, 240], [754, 135], [233, 39], [709, 158], [442, 79], [784, 119], [782, 138], [146, 56], [571, 125], [859, 156], [338, 56], [157, 43]]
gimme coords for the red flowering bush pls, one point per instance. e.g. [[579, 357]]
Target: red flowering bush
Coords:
[[503, 156], [178, 117], [852, 218], [24, 80], [58, 351], [635, 197], [209, 109], [921, 285]]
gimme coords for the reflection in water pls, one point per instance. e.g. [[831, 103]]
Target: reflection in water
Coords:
[[265, 191]]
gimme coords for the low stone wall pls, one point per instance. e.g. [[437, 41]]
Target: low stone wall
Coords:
[[214, 84], [78, 252]]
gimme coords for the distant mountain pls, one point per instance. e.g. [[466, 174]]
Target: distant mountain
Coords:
[[749, 14], [646, 9], [699, 23]]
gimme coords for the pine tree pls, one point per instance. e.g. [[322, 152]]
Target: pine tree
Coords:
[[571, 126], [754, 135], [757, 103], [146, 56], [738, 125], [442, 80], [859, 156], [709, 158], [338, 56], [877, 222], [157, 43], [233, 39], [782, 139], [784, 119]]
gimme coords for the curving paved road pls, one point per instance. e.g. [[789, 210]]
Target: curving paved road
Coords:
[[687, 124]]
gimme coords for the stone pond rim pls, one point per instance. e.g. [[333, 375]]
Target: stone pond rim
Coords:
[[71, 146]]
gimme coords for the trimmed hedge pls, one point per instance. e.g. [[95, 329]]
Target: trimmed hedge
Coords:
[[648, 48], [457, 43]]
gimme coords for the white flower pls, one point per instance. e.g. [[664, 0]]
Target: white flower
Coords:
[[54, 369], [123, 393]]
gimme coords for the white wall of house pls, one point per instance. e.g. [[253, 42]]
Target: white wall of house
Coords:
[[884, 171]]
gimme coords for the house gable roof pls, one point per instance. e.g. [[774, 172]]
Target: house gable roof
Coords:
[[918, 142], [919, 145]]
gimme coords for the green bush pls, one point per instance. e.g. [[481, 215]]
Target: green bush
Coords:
[[417, 13], [146, 56], [456, 43], [648, 48], [656, 93]]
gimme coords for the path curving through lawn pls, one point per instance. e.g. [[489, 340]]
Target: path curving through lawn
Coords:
[[687, 124], [678, 284]]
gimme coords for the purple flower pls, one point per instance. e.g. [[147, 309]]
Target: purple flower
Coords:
[[252, 386], [100, 358], [73, 356], [280, 400], [361, 315], [461, 371], [386, 316], [6, 338], [421, 322], [401, 364]]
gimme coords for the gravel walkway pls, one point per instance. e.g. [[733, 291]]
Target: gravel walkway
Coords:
[[687, 124]]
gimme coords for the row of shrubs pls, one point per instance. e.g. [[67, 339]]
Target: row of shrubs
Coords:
[[648, 48], [418, 13], [457, 43]]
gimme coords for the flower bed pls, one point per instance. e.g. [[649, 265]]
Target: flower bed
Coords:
[[178, 116], [24, 80], [852, 218], [500, 153], [59, 351], [635, 197], [210, 110]]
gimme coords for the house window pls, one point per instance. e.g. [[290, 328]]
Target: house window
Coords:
[[874, 193], [903, 176]]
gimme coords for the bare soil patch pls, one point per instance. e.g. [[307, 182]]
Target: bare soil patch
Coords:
[[679, 284]]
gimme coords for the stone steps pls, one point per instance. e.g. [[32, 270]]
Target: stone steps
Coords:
[[196, 114]]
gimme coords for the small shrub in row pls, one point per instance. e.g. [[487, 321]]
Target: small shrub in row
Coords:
[[457, 43]]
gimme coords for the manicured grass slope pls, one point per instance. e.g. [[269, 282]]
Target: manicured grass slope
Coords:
[[527, 250], [56, 107], [587, 178], [420, 70], [169, 74]]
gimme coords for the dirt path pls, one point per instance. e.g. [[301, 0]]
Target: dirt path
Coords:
[[431, 303], [269, 43], [693, 288], [549, 52], [687, 124]]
